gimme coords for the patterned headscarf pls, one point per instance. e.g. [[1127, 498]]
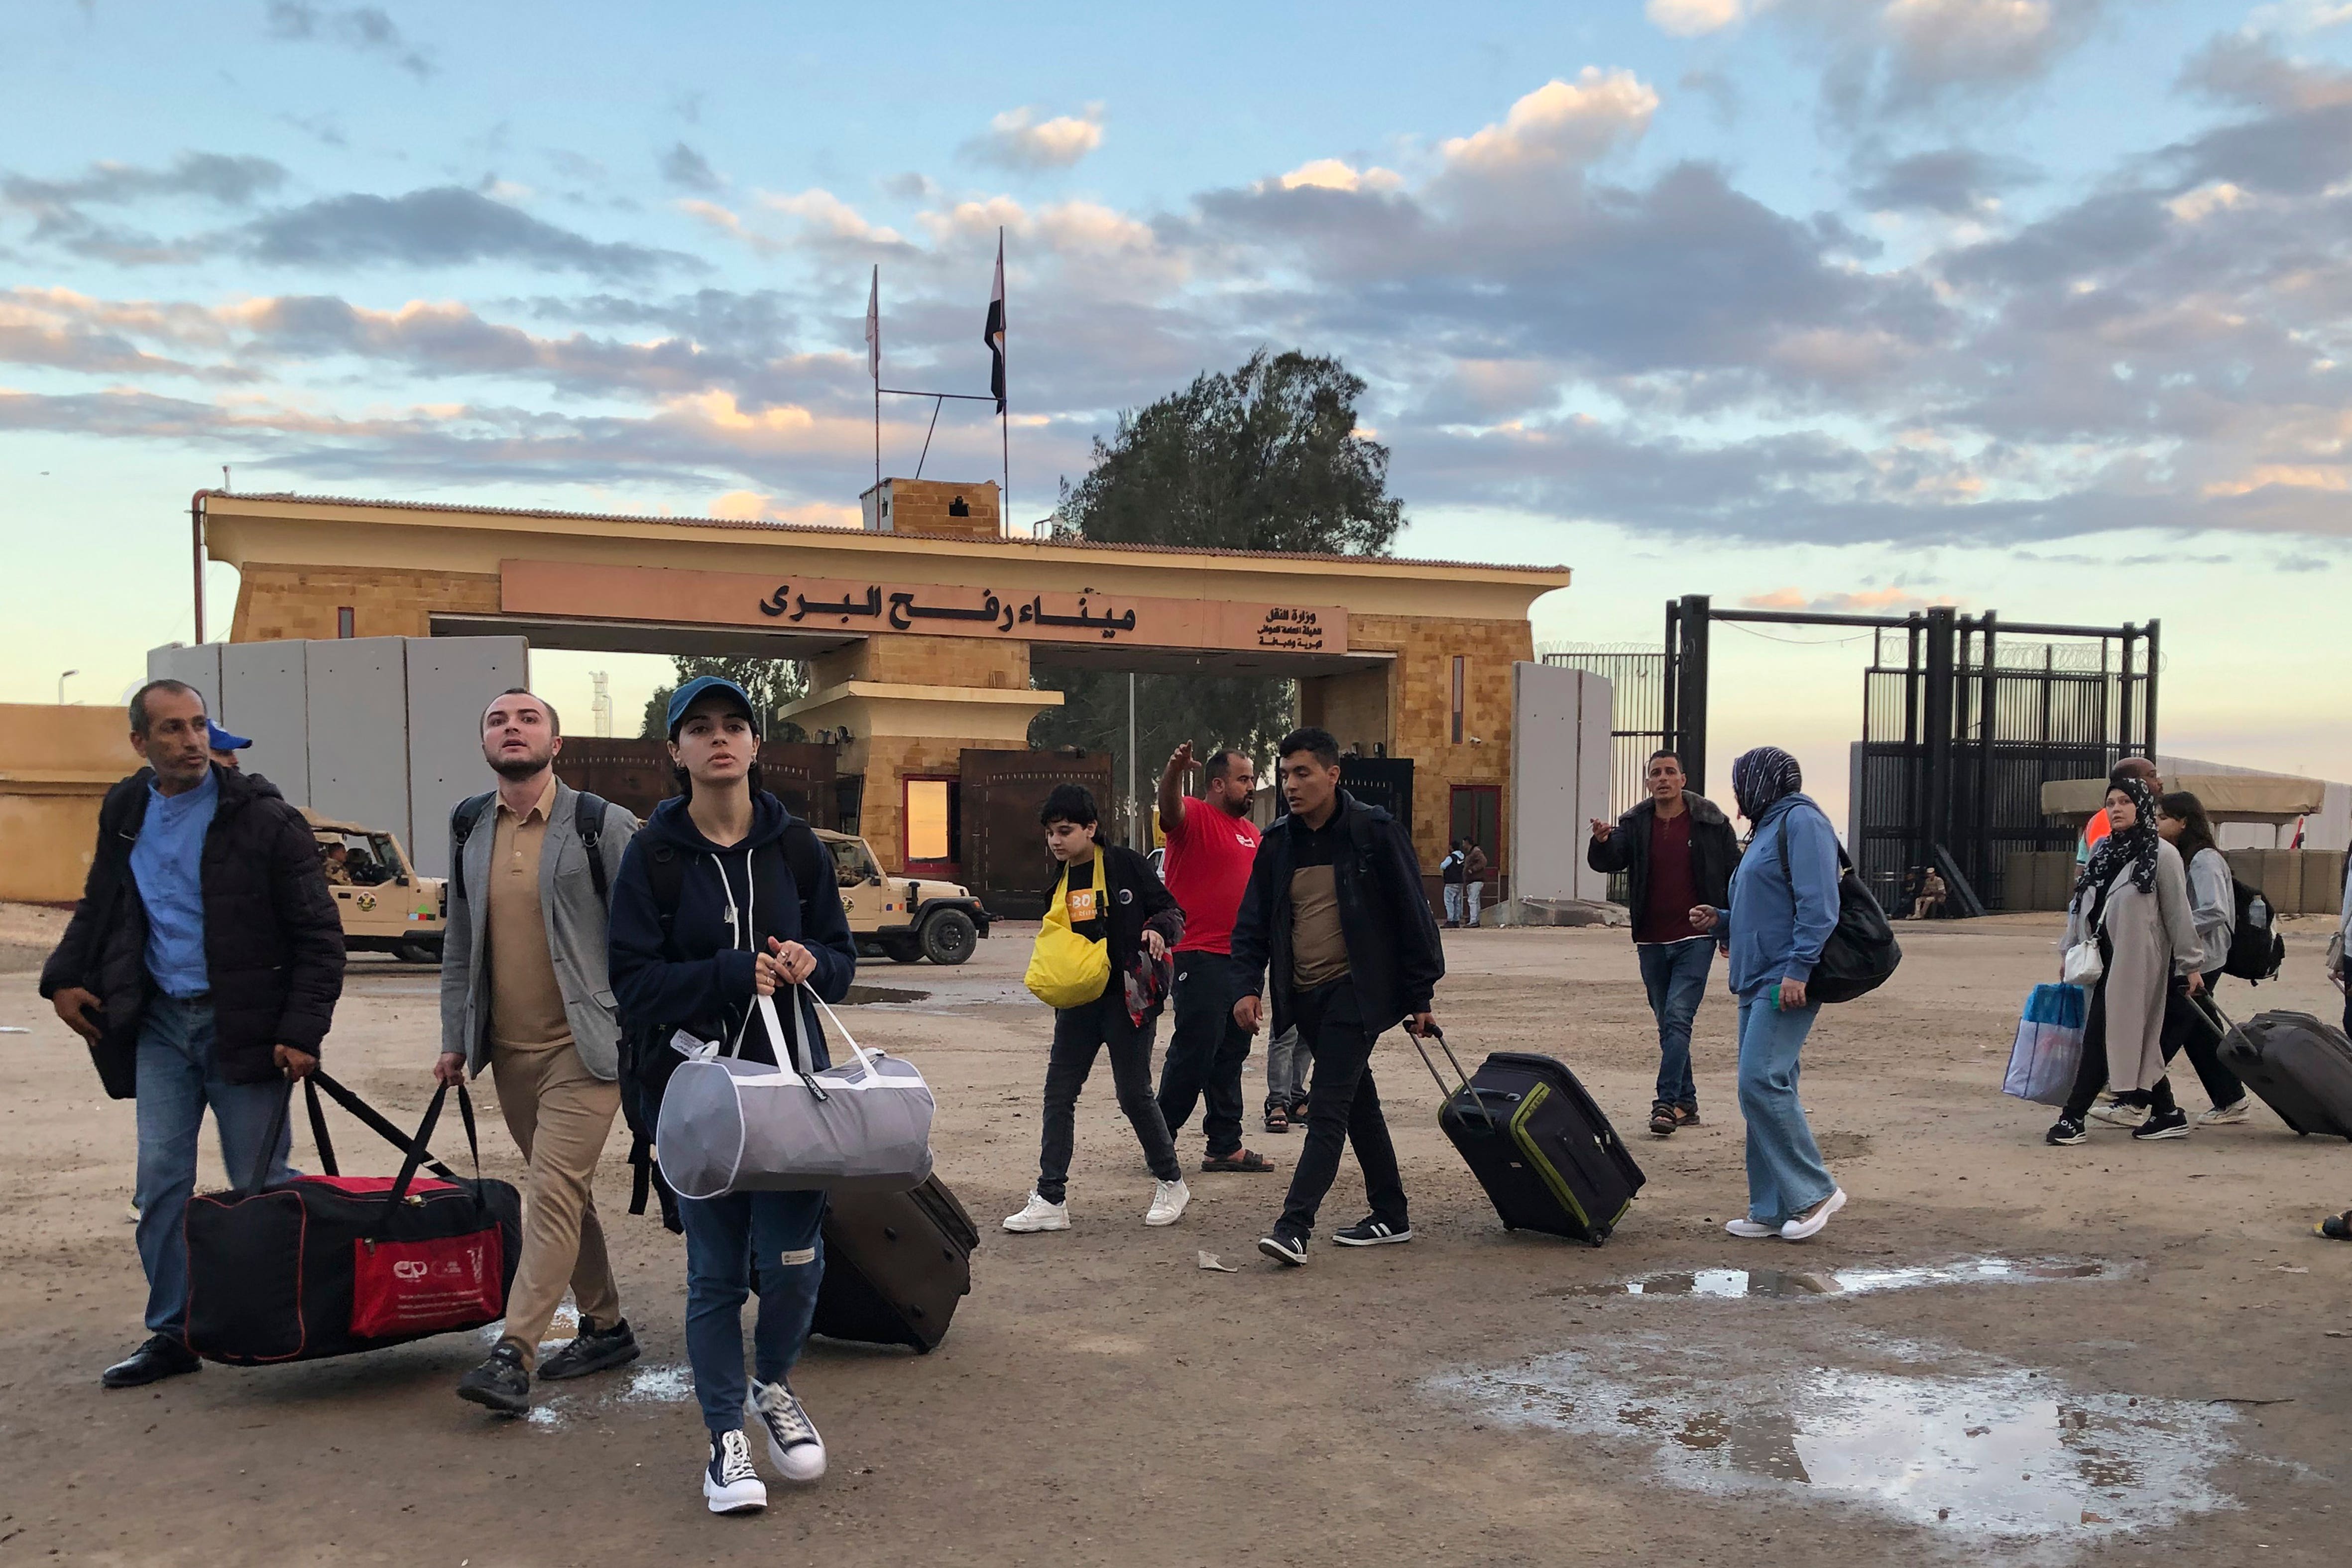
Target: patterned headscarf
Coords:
[[2134, 846], [1762, 776]]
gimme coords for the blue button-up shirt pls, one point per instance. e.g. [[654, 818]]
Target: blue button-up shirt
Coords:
[[167, 863]]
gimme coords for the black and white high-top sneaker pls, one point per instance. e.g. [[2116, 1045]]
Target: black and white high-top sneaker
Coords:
[[730, 1484], [793, 1446]]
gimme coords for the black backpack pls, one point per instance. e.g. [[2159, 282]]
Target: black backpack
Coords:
[[2256, 948], [1862, 952], [587, 820]]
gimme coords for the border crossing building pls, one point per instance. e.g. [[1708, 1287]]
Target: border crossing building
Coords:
[[932, 640]]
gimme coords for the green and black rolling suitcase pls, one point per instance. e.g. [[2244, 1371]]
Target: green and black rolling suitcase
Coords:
[[1547, 1156]]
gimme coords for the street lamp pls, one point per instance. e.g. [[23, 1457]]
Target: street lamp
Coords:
[[61, 686]]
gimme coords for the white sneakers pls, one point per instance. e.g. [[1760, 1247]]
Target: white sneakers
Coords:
[[1750, 1230], [793, 1446], [2116, 1113], [2224, 1115], [1168, 1201], [1810, 1222], [730, 1484], [1039, 1214]]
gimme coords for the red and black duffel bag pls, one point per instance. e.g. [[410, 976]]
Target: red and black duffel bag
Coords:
[[333, 1265]]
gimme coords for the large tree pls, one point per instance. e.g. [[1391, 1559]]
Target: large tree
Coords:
[[771, 683], [1268, 456]]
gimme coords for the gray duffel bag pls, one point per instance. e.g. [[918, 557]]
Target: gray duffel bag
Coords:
[[729, 1125]]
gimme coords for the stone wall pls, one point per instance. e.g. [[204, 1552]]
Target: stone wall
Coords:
[[275, 603], [910, 660], [1420, 707], [56, 766], [927, 506]]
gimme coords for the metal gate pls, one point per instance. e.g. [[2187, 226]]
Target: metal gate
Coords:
[[1956, 781], [1004, 858], [637, 775], [1958, 738]]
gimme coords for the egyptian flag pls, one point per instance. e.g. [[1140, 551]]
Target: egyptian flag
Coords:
[[994, 333], [874, 326]]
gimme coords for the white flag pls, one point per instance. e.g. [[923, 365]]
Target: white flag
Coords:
[[874, 326]]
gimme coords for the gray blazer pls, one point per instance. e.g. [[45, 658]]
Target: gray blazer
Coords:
[[575, 936]]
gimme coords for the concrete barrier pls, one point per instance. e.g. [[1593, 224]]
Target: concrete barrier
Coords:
[[56, 766]]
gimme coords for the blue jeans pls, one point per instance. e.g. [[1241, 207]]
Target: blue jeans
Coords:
[[1785, 1173], [1675, 975], [176, 1081], [731, 1241]]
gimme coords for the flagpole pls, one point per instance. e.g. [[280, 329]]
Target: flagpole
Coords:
[[874, 364], [1003, 416]]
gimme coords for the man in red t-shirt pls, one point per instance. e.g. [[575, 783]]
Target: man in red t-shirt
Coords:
[[1212, 844]]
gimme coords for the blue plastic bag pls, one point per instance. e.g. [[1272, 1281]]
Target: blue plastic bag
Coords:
[[2049, 1049]]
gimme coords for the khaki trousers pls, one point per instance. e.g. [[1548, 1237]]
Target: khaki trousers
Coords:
[[560, 1114]]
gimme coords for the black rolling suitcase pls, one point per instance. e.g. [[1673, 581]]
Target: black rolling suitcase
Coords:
[[2301, 1065], [896, 1265], [1547, 1156]]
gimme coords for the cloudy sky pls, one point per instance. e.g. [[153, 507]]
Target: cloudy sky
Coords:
[[2030, 305]]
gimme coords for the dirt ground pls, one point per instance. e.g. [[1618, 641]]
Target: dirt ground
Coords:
[[1460, 1400]]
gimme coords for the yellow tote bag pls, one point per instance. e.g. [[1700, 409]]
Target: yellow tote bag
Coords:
[[1066, 969]]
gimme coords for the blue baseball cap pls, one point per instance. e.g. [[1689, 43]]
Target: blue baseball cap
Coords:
[[221, 740], [703, 686]]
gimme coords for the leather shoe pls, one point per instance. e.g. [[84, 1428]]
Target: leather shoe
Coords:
[[161, 1357]]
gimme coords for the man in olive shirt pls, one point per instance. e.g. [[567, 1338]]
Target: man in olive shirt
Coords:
[[524, 991], [1335, 917]]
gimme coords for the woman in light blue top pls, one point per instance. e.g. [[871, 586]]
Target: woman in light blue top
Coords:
[[1784, 905]]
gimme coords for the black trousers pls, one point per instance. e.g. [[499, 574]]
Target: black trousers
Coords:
[[1080, 1033], [2093, 1074], [2188, 1025], [1206, 1051], [1342, 1109]]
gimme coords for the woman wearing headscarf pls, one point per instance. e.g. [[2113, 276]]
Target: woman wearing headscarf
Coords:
[[2132, 901], [1784, 905]]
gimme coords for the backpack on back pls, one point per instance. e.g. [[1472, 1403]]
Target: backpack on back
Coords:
[[2256, 948]]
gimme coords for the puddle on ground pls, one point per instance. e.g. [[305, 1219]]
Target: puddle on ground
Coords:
[[647, 1385], [1786, 1284], [897, 993], [2007, 1455]]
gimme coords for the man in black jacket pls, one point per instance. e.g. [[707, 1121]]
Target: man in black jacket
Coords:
[[1677, 850], [202, 965], [1336, 915]]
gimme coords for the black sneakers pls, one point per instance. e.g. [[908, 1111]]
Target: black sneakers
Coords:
[[499, 1383], [595, 1350], [161, 1357], [1288, 1251], [1371, 1232], [2066, 1131], [2172, 1123]]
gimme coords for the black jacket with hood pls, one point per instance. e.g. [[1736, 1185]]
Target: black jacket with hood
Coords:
[[691, 967], [273, 943], [1715, 853], [1395, 956]]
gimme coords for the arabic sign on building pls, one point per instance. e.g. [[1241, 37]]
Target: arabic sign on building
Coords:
[[1006, 610]]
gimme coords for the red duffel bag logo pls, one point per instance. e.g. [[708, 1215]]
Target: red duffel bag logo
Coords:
[[427, 1287]]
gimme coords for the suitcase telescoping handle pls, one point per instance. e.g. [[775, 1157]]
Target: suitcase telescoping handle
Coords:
[[1465, 1092]]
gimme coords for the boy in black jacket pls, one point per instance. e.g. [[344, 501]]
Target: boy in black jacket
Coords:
[[1335, 907], [1114, 897]]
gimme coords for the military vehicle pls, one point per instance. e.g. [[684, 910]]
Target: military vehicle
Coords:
[[386, 906], [903, 918]]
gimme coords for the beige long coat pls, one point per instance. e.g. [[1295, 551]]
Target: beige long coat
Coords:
[[2155, 937]]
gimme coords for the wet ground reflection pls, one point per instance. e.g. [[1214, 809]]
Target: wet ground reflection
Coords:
[[1783, 1284], [2009, 1453]]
